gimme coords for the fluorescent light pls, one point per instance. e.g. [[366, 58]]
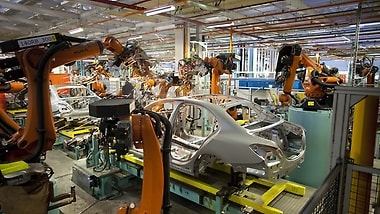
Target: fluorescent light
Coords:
[[134, 38], [76, 30], [330, 43], [345, 37], [215, 19], [221, 25], [366, 24], [159, 10]]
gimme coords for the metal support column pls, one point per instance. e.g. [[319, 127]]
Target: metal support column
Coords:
[[356, 45], [250, 59], [182, 40]]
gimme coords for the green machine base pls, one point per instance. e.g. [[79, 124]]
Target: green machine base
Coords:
[[316, 166], [100, 185]]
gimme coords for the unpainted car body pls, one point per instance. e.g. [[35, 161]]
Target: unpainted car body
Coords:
[[71, 101], [256, 142]]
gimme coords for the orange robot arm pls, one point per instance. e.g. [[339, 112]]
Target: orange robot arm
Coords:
[[221, 64], [12, 87], [316, 78], [288, 61], [366, 68], [217, 70], [152, 187], [39, 134], [9, 126]]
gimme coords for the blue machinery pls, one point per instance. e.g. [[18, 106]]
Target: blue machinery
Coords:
[[263, 83]]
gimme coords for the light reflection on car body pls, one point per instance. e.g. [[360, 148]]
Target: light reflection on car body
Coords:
[[203, 132]]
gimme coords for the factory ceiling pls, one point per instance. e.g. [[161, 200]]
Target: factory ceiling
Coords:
[[327, 27]]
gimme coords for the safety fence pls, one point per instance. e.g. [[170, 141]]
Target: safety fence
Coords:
[[325, 199], [361, 190]]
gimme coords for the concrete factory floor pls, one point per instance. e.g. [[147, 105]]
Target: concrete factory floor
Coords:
[[86, 204]]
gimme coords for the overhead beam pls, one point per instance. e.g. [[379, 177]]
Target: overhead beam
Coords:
[[279, 13], [122, 5]]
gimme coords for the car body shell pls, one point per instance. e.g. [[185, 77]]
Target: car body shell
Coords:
[[264, 145], [71, 101]]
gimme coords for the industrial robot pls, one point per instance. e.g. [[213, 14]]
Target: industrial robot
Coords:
[[23, 149], [195, 66], [122, 127], [219, 65], [366, 70], [317, 80]]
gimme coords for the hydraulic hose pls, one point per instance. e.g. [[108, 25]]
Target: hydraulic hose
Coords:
[[166, 148], [328, 85], [315, 80], [40, 101], [293, 97]]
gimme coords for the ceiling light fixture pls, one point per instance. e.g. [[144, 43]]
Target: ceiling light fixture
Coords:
[[366, 24], [135, 38], [76, 30], [345, 37], [159, 10], [221, 25]]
